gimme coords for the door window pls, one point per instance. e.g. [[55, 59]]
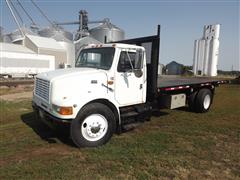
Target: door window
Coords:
[[129, 61]]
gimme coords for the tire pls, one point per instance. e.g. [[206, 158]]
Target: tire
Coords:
[[203, 100], [93, 126], [192, 101]]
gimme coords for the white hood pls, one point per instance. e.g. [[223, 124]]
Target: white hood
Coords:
[[64, 73], [74, 83]]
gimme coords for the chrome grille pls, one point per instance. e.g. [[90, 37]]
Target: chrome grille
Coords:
[[42, 88]]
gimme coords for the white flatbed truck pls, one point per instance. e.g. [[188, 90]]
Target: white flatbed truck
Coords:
[[112, 86]]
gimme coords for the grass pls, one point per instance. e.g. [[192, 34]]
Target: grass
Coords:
[[178, 144]]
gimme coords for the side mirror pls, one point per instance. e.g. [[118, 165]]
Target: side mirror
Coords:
[[138, 73]]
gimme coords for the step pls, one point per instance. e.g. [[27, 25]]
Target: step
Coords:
[[129, 114]]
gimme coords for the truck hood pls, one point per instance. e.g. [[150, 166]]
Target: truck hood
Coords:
[[68, 85], [64, 73]]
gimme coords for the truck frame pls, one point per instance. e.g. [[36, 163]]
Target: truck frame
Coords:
[[116, 84]]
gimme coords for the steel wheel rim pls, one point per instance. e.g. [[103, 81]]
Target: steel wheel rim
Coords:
[[94, 127], [206, 101]]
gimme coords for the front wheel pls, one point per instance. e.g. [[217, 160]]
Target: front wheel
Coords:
[[93, 126]]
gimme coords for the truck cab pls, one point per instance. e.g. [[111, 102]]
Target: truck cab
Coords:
[[105, 78]]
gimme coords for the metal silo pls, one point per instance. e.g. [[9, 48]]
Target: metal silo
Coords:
[[206, 51], [213, 57], [206, 57], [83, 42], [214, 50], [195, 57], [17, 37], [108, 30], [201, 51], [57, 33], [64, 38], [70, 50], [1, 34], [6, 38]]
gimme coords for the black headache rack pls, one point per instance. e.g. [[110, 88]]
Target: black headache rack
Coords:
[[152, 45]]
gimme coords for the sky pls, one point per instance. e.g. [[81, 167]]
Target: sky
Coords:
[[181, 22]]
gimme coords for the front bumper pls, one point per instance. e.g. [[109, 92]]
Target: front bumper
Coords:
[[47, 117]]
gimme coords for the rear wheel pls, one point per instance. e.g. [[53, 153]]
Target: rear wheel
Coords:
[[203, 100], [93, 126], [192, 101]]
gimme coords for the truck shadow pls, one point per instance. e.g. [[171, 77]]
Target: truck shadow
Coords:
[[159, 113], [186, 109], [57, 133], [52, 135]]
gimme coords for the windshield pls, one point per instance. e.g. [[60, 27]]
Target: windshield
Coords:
[[100, 58]]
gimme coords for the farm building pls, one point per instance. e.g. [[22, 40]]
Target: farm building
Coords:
[[19, 61], [50, 46], [174, 68]]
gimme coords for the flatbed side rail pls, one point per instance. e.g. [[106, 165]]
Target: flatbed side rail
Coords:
[[186, 87]]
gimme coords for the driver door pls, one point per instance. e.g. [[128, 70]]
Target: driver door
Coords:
[[129, 88]]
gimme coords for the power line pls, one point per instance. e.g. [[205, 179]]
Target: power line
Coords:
[[28, 15], [43, 14], [14, 17], [15, 9]]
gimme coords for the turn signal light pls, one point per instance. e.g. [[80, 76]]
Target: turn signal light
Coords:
[[110, 82], [65, 110]]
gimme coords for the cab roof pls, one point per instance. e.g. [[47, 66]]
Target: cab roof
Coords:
[[116, 45]]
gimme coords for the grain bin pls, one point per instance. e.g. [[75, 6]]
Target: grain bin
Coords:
[[70, 50], [17, 37], [57, 33], [62, 37], [1, 34], [112, 32]]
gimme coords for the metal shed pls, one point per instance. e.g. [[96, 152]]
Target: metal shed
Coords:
[[19, 61], [174, 68], [48, 46]]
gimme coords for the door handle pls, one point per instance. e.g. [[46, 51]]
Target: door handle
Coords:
[[141, 86]]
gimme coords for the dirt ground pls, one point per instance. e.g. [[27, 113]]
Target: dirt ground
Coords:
[[16, 96], [16, 93]]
